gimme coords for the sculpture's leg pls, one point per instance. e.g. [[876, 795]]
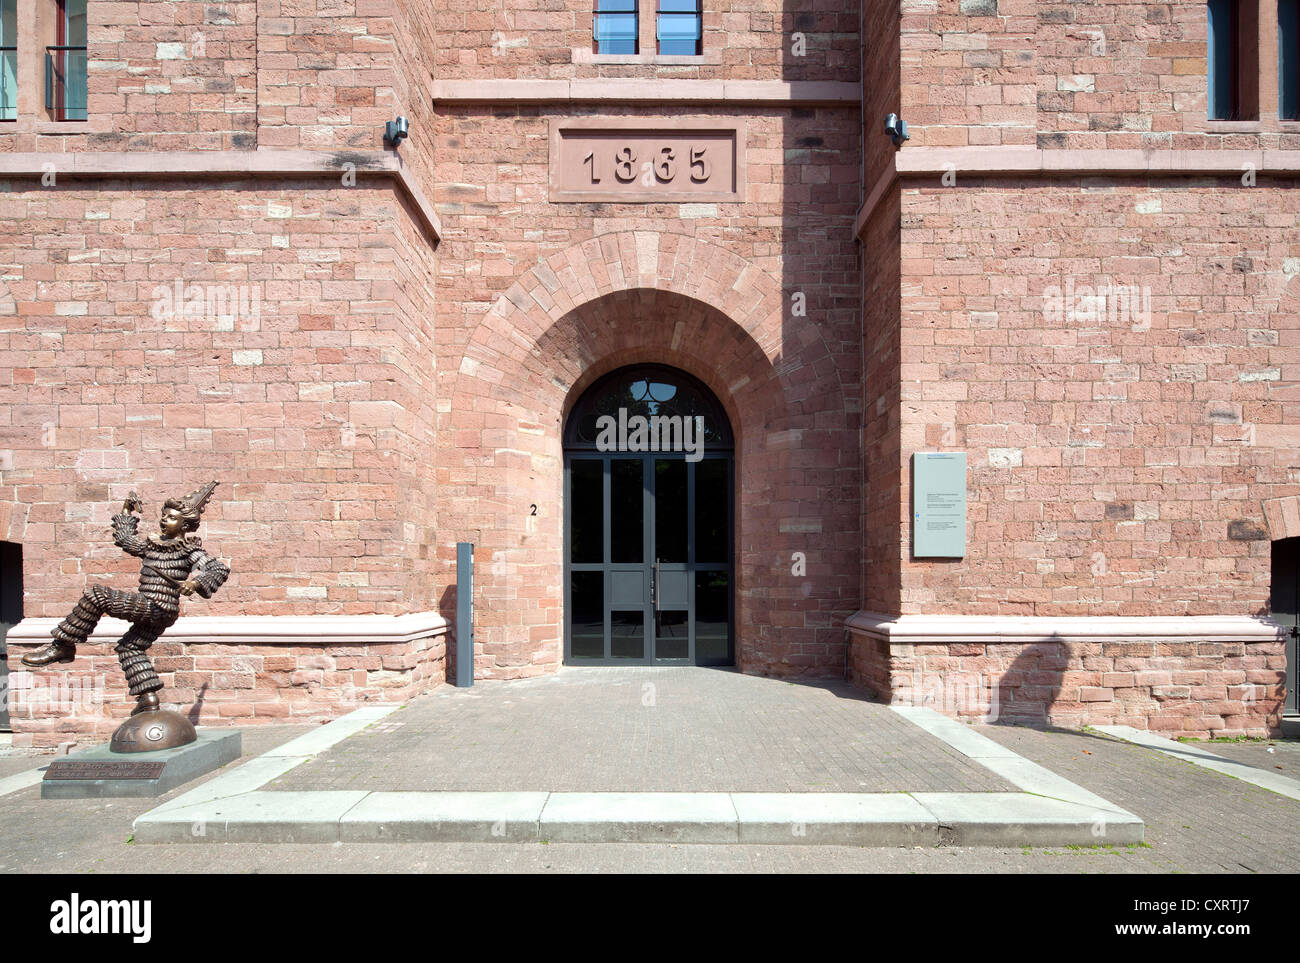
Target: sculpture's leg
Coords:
[[76, 628], [141, 678]]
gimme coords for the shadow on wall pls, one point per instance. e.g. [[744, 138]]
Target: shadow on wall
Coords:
[[447, 609], [1028, 689], [197, 709]]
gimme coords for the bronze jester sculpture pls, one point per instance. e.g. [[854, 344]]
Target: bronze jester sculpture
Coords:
[[174, 564]]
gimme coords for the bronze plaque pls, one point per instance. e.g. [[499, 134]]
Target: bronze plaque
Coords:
[[103, 769], [668, 159]]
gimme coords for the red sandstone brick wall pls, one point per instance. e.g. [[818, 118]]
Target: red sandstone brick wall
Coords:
[[880, 86], [711, 288], [1071, 75], [1188, 688], [1117, 466], [309, 74], [316, 415], [218, 685], [742, 41], [882, 476]]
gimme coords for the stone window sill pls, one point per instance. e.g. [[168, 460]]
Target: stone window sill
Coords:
[[1234, 126], [585, 55], [60, 127]]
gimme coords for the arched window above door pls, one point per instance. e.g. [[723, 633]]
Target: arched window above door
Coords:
[[648, 391]]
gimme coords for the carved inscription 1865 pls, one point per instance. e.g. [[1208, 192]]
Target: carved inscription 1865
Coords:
[[622, 160]]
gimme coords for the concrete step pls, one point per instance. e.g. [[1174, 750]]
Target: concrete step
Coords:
[[849, 819]]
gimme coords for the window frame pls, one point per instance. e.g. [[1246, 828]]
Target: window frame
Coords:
[[634, 13], [661, 13]]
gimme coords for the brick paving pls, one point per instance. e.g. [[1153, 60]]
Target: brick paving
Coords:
[[591, 730], [1196, 820], [1283, 760]]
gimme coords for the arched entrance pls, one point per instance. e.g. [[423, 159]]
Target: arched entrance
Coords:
[[649, 570]]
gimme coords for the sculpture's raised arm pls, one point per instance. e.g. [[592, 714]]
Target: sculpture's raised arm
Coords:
[[124, 528]]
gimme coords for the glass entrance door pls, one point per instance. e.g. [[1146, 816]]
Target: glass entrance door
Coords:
[[648, 546], [649, 560]]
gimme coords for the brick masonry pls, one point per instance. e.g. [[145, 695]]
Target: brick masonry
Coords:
[[1201, 689], [218, 685], [1120, 466]]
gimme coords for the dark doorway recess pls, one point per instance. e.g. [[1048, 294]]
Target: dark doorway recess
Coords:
[[649, 523], [11, 613], [1284, 607]]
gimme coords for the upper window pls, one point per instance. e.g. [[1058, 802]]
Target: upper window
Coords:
[[8, 59], [1232, 59], [1288, 59], [680, 25], [615, 27], [65, 64]]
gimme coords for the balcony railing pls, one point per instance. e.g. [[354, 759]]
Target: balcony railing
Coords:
[[65, 82]]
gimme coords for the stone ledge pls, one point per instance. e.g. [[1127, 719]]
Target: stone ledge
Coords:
[[1002, 629], [719, 93], [260, 629], [1033, 161], [211, 163]]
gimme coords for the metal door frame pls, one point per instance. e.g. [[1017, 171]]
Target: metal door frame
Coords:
[[648, 563]]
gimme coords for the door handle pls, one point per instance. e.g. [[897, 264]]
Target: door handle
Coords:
[[654, 586]]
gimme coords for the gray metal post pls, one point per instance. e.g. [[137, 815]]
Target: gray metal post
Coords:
[[464, 614]]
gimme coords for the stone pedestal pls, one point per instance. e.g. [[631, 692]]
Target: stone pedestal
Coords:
[[101, 772]]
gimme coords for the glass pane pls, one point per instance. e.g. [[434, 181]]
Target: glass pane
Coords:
[[8, 60], [627, 510], [76, 35], [679, 6], [672, 637], [679, 34], [1221, 40], [9, 85], [615, 33], [712, 604], [648, 409], [1288, 66], [711, 488], [587, 614], [627, 635], [670, 510], [605, 6], [586, 510]]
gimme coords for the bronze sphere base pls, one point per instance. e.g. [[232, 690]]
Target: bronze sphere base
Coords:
[[149, 731]]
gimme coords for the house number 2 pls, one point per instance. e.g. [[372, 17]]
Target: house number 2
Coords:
[[661, 167]]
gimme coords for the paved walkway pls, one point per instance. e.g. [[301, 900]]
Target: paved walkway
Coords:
[[1196, 820], [643, 729]]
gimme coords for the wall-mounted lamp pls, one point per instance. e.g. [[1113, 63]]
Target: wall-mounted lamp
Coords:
[[896, 129], [396, 130]]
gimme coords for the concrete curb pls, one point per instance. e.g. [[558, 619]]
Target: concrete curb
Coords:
[[1198, 756], [827, 819], [234, 808]]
